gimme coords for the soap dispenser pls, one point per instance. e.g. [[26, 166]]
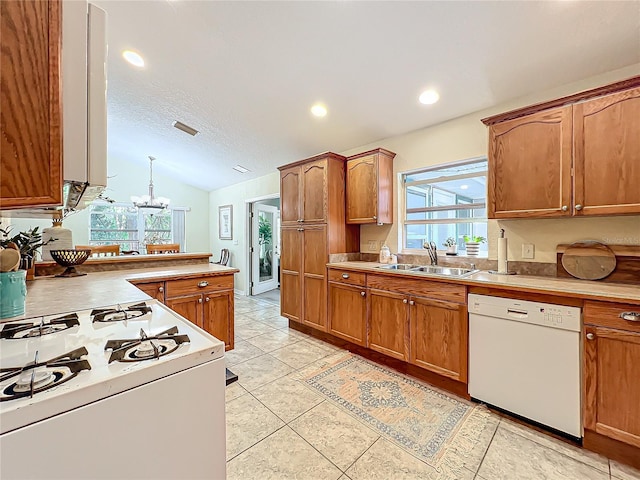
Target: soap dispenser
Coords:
[[385, 254]]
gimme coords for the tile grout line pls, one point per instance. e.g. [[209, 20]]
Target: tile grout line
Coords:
[[477, 473]]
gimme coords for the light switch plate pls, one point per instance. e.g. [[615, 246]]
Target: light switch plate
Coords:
[[373, 245], [235, 242], [528, 250]]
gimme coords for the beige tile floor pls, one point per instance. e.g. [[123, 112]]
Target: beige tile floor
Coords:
[[279, 429]]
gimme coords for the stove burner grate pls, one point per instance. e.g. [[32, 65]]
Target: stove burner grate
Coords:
[[145, 347], [118, 313], [38, 376], [15, 331]]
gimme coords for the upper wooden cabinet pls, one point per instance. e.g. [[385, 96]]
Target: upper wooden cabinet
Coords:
[[30, 109], [370, 187], [607, 154], [290, 188], [530, 166], [578, 155]]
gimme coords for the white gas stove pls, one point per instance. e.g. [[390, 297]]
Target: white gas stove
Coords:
[[113, 387]]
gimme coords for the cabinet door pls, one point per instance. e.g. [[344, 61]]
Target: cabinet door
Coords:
[[153, 289], [530, 166], [314, 192], [30, 149], [218, 316], [314, 283], [362, 190], [607, 154], [388, 323], [290, 199], [438, 332], [189, 307], [291, 273], [612, 384], [348, 312]]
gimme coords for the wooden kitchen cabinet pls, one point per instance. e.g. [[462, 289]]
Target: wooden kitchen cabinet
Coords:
[[348, 306], [369, 189], [574, 156], [611, 378], [30, 105], [153, 289], [530, 166], [389, 323], [190, 307], [439, 337], [607, 154], [217, 317], [312, 195]]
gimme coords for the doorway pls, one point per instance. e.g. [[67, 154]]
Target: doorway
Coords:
[[265, 246]]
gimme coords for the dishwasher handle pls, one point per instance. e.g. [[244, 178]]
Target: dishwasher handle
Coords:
[[512, 312]]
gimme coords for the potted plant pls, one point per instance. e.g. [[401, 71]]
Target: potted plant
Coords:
[[28, 243], [472, 244], [452, 246]]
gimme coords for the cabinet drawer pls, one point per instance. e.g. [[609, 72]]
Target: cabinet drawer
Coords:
[[607, 314], [177, 288], [419, 287], [351, 278]]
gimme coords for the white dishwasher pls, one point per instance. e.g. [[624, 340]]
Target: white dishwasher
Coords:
[[524, 358]]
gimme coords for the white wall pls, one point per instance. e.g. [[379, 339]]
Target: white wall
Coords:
[[466, 137], [237, 195], [127, 179]]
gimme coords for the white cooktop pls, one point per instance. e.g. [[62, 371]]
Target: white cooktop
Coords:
[[103, 379]]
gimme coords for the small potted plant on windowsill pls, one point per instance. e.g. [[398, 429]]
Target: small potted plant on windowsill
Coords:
[[452, 246], [472, 244]]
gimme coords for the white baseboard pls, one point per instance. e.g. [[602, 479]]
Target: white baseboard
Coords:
[[240, 293]]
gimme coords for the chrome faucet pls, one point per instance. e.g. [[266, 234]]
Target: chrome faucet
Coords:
[[433, 252]]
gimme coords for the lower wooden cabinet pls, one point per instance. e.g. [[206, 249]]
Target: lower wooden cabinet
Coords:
[[611, 375], [217, 316], [389, 323], [153, 289], [189, 307], [348, 312], [439, 337]]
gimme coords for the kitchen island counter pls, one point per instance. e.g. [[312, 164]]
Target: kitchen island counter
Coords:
[[52, 295], [586, 289]]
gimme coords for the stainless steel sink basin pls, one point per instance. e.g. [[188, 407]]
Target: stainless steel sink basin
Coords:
[[446, 271], [399, 266], [430, 270]]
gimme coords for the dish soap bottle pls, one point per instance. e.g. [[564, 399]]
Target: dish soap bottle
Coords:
[[385, 254]]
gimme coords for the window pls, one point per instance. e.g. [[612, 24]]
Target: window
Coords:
[[445, 201], [125, 225]]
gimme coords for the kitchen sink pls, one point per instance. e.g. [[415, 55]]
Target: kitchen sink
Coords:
[[399, 266], [431, 270]]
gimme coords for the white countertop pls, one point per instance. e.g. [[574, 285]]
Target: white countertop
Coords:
[[54, 295], [569, 287]]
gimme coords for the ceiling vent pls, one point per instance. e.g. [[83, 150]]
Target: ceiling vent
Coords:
[[241, 169], [185, 128]]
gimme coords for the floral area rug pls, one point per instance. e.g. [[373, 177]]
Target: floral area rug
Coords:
[[439, 429]]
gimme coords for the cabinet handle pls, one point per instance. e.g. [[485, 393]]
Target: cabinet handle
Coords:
[[564, 208], [363, 294], [200, 300], [207, 299], [375, 218], [630, 316], [412, 302], [578, 207], [345, 275], [203, 284], [161, 289], [590, 336], [405, 300]]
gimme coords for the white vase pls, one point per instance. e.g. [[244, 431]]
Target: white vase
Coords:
[[473, 248], [452, 250], [63, 239]]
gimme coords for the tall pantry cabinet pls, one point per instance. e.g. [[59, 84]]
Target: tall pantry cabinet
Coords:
[[312, 197]]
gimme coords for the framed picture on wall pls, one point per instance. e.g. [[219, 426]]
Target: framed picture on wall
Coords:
[[225, 222]]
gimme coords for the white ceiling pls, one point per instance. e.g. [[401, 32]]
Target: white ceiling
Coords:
[[246, 73]]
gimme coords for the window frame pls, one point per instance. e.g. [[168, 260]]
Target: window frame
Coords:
[[403, 211]]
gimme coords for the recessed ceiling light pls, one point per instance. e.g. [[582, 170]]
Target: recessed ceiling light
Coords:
[[241, 169], [429, 97], [319, 110], [133, 58], [185, 128], [464, 187]]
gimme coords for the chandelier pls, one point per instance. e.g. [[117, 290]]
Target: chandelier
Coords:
[[149, 202]]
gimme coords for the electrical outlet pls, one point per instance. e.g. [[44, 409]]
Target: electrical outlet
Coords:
[[373, 245], [528, 250]]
